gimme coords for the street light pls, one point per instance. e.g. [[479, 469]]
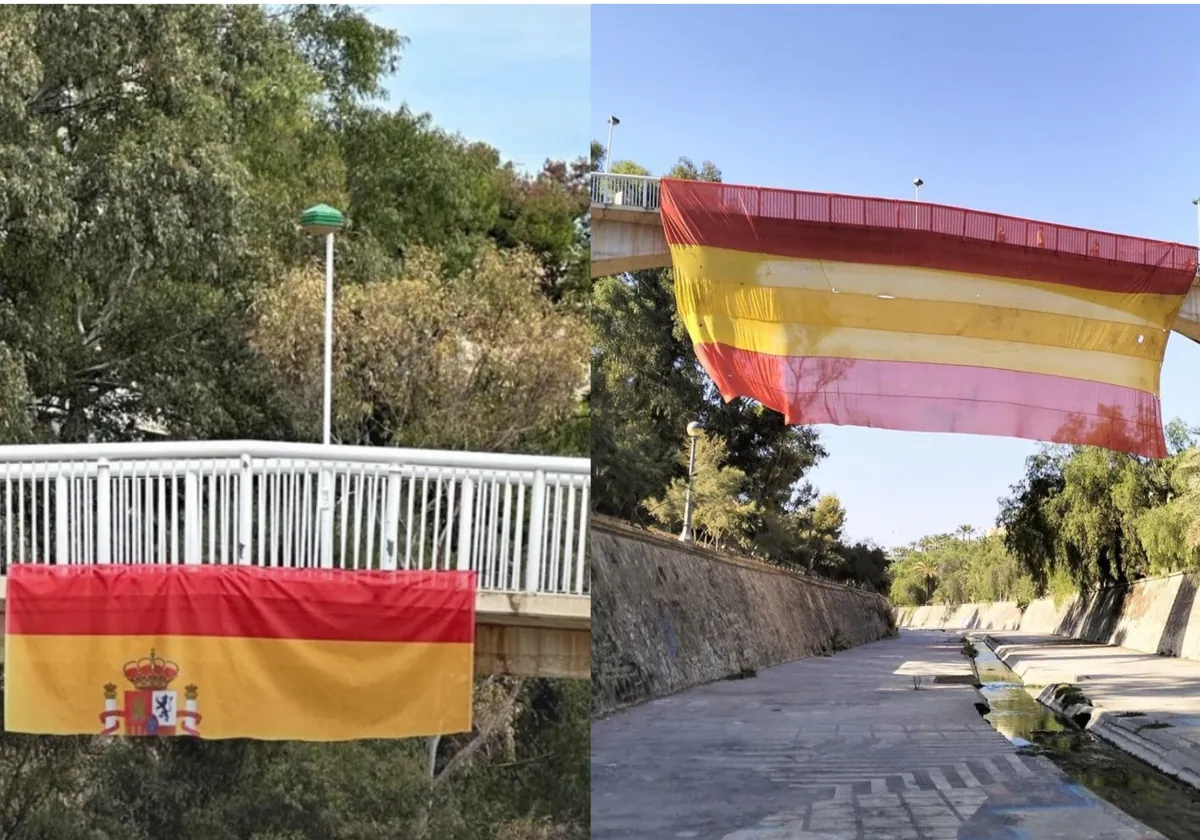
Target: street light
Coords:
[[1196, 201], [608, 149], [324, 220], [694, 431], [917, 184]]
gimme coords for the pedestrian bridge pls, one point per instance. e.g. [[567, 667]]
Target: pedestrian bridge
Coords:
[[518, 521], [627, 232]]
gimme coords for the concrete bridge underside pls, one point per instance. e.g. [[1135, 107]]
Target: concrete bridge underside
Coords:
[[631, 239], [516, 634]]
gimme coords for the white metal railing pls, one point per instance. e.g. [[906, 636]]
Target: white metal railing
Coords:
[[520, 521], [635, 192]]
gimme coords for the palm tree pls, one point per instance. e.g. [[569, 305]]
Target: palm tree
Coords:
[[965, 532], [928, 570]]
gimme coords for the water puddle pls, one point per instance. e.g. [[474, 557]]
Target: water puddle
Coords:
[[1146, 794], [1015, 713]]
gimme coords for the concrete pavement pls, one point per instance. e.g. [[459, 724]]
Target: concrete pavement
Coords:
[[1147, 705], [832, 748]]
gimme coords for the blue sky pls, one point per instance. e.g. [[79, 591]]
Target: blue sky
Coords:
[[1083, 115], [515, 77]]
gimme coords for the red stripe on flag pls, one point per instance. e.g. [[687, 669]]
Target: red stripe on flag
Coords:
[[918, 397], [699, 213], [327, 605]]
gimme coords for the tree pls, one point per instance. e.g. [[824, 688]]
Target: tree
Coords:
[[138, 204], [720, 511], [478, 360], [824, 533], [151, 192], [1081, 517]]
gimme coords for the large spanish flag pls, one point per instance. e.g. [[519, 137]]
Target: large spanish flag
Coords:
[[238, 652], [912, 316]]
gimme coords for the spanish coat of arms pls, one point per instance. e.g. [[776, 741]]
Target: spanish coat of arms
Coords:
[[152, 707]]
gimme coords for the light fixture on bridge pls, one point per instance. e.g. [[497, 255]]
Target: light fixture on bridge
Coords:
[[1196, 201], [917, 184], [694, 432], [608, 149], [323, 220]]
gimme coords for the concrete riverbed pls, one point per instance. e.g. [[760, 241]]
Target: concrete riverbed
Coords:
[[880, 742]]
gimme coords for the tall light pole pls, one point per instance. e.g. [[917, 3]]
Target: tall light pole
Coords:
[[917, 184], [323, 220], [1196, 201], [694, 431], [608, 149]]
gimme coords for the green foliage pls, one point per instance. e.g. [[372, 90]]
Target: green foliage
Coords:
[[951, 569], [1097, 517], [1081, 517], [149, 192], [720, 511]]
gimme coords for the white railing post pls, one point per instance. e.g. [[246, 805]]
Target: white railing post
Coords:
[[537, 527], [391, 523], [191, 516], [103, 512], [326, 515], [62, 519], [466, 515], [584, 517], [245, 509]]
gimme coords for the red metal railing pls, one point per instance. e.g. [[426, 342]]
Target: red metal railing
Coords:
[[831, 208]]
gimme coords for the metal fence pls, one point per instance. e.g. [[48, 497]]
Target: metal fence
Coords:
[[519, 521], [636, 192]]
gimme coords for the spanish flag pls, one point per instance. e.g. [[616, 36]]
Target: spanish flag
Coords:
[[904, 315], [238, 652]]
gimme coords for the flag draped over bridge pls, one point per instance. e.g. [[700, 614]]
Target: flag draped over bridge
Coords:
[[903, 315], [238, 652]]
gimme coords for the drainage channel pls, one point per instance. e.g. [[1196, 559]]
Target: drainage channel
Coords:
[[1145, 793]]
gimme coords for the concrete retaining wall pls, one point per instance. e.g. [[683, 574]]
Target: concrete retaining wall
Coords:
[[667, 616], [1002, 615], [1159, 615]]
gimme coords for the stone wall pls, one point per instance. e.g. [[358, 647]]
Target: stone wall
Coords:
[[1158, 615], [667, 616]]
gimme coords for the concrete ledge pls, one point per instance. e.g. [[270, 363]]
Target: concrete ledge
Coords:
[[537, 610], [630, 215], [533, 651], [1169, 742]]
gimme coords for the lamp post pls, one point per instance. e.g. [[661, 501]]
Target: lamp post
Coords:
[[323, 220], [694, 431], [1196, 201], [917, 184], [608, 149]]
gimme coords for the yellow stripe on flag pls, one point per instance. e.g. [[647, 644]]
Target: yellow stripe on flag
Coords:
[[698, 297], [274, 689], [723, 266], [852, 343]]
